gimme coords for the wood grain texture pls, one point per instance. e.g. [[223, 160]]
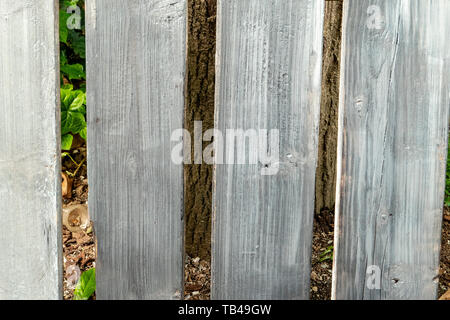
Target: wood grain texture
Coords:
[[394, 103], [30, 188], [269, 56], [136, 52]]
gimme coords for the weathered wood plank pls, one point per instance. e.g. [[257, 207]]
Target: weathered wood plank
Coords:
[[30, 188], [269, 56], [136, 72], [392, 148]]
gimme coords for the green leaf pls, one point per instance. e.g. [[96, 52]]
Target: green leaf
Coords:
[[63, 57], [66, 142], [73, 110], [86, 285], [67, 97], [67, 86], [82, 87], [72, 122], [64, 4], [73, 100], [74, 71], [79, 102], [327, 254], [83, 133], [78, 44], [63, 30], [73, 52]]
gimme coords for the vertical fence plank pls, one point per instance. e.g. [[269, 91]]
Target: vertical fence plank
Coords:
[[30, 178], [136, 72], [268, 77], [392, 148]]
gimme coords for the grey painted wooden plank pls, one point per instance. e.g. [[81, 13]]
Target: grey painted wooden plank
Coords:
[[392, 148], [136, 72], [30, 188], [269, 56]]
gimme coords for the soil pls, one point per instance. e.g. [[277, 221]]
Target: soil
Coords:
[[444, 270], [322, 256], [78, 247], [197, 277]]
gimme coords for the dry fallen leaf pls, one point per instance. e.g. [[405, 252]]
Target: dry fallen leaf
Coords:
[[66, 185], [445, 296]]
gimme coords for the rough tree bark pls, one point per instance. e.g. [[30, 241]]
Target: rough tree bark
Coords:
[[200, 107], [326, 165]]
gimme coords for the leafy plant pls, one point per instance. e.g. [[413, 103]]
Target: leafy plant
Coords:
[[73, 76], [72, 41], [73, 71], [327, 254], [73, 113], [73, 99], [86, 285]]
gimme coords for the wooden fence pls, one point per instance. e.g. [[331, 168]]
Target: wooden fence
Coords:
[[393, 127]]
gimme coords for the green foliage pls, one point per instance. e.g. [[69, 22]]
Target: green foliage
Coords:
[[72, 41], [78, 44], [73, 71], [73, 76], [73, 113], [447, 181], [66, 143], [86, 285], [73, 99], [327, 254]]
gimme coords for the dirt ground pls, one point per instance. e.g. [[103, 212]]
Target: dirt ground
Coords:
[[444, 270], [78, 247]]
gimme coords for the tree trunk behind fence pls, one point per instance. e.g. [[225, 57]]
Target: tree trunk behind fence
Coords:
[[200, 107], [326, 161]]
